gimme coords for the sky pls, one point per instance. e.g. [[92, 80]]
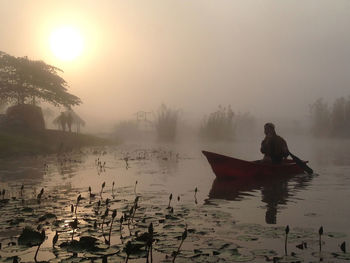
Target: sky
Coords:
[[271, 58]]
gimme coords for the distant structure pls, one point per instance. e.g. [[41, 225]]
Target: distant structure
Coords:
[[67, 119], [142, 121]]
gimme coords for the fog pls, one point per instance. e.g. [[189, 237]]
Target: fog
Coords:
[[269, 58]]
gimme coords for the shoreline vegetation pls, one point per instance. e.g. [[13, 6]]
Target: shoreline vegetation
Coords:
[[45, 142]]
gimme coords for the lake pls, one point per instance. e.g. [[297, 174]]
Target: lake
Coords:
[[225, 222]]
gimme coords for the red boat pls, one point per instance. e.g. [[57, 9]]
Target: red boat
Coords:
[[228, 167]]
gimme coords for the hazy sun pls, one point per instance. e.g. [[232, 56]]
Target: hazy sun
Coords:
[[66, 43]]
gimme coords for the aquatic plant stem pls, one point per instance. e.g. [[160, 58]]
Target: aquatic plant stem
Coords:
[[110, 229], [103, 234], [170, 198], [42, 241], [286, 240], [178, 251], [36, 253], [121, 228], [184, 236], [320, 233]]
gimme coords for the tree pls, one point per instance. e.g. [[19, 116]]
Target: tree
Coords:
[[347, 116], [166, 123], [320, 117], [23, 80], [338, 117]]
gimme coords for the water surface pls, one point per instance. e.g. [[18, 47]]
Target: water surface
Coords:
[[226, 221]]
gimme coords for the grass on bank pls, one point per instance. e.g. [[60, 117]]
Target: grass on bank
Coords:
[[43, 142]]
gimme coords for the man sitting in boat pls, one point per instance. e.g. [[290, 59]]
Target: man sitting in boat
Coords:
[[274, 147]]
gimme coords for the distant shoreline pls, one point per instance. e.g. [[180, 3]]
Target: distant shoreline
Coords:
[[21, 143]]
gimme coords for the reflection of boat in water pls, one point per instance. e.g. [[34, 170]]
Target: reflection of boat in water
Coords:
[[225, 166], [275, 191]]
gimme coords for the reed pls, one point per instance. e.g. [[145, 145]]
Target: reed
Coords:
[[114, 214], [286, 240], [320, 233], [170, 198], [120, 227], [183, 237], [43, 236], [135, 188], [76, 206], [55, 239], [102, 187], [74, 225], [149, 242], [103, 222]]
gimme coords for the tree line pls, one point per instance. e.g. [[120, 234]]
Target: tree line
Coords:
[[331, 121]]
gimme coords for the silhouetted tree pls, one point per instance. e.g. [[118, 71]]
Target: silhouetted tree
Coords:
[[166, 123], [67, 118], [23, 80], [338, 117], [347, 116], [320, 118], [219, 125]]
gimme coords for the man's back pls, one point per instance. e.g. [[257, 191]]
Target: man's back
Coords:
[[274, 147]]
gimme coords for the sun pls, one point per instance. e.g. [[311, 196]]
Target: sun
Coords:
[[66, 43]]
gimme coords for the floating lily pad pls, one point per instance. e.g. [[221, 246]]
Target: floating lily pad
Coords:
[[247, 238], [341, 255], [48, 216], [30, 237], [27, 210], [264, 252], [336, 234], [289, 259], [238, 256]]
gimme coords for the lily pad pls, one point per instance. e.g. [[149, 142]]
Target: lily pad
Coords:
[[48, 216], [336, 234], [247, 238], [30, 237], [341, 255], [289, 259], [264, 252]]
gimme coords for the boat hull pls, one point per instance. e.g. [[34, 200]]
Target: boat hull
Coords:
[[228, 167]]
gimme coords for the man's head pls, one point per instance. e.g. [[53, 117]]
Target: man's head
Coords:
[[269, 128]]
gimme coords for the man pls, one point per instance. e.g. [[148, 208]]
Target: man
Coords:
[[273, 147]]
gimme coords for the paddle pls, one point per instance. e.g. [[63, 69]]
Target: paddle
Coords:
[[301, 164]]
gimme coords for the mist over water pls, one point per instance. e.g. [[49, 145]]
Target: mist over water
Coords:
[[270, 59]]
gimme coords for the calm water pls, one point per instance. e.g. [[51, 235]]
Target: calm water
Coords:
[[222, 216]]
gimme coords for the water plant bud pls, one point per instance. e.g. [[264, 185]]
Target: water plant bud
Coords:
[[343, 247], [150, 228], [320, 231]]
